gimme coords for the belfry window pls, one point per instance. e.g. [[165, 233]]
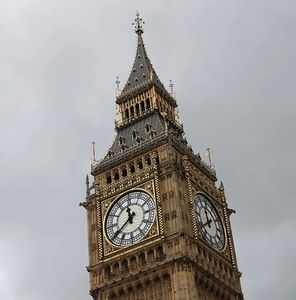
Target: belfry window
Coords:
[[124, 172], [148, 103], [142, 106], [148, 160], [116, 175], [132, 167], [126, 113], [137, 109], [132, 112], [140, 164]]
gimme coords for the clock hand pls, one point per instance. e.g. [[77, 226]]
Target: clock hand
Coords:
[[130, 220], [131, 217], [117, 232], [209, 221]]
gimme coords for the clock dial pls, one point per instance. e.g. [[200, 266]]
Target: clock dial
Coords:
[[209, 222], [130, 218]]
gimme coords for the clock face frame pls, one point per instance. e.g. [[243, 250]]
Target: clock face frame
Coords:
[[209, 222], [130, 218]]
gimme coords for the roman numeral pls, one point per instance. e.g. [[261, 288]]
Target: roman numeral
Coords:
[[147, 221]]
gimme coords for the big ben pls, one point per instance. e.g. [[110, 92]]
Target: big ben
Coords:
[[158, 222]]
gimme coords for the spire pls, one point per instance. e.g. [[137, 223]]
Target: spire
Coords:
[[142, 71]]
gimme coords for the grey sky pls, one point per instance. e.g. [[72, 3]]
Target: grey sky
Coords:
[[233, 65]]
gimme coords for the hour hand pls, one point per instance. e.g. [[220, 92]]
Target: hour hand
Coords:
[[131, 217], [208, 222]]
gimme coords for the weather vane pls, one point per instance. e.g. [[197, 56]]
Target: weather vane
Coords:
[[138, 24]]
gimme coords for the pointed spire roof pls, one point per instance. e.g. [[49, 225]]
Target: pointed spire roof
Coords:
[[142, 72]]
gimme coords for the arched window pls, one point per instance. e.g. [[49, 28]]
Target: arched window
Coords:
[[132, 167], [134, 134], [157, 159], [148, 103], [142, 259], [142, 106], [137, 109], [116, 269], [138, 140], [116, 175], [148, 160], [124, 172], [107, 272], [124, 267], [121, 140], [148, 127], [151, 256], [132, 112], [159, 253], [126, 113], [108, 178], [133, 263], [140, 164]]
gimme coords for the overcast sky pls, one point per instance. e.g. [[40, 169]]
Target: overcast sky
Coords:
[[233, 65]]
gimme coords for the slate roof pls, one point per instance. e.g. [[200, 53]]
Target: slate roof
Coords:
[[125, 137], [142, 70]]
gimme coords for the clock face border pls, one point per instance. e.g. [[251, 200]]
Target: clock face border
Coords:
[[214, 212], [113, 203]]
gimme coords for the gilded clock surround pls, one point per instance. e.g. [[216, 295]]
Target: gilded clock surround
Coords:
[[149, 188], [150, 153]]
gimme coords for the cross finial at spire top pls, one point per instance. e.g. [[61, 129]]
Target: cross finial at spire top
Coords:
[[138, 24]]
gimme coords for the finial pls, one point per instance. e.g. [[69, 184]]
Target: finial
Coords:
[[164, 115], [171, 86], [117, 83], [94, 150], [117, 90], [209, 155], [87, 186], [138, 24]]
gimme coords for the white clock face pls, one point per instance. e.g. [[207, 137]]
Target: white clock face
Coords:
[[209, 222], [130, 218]]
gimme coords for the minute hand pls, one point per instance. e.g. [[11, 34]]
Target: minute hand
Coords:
[[117, 232], [130, 219]]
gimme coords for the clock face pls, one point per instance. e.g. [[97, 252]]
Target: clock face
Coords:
[[130, 218], [209, 222]]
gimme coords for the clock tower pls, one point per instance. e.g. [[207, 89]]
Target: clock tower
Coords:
[[158, 224]]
